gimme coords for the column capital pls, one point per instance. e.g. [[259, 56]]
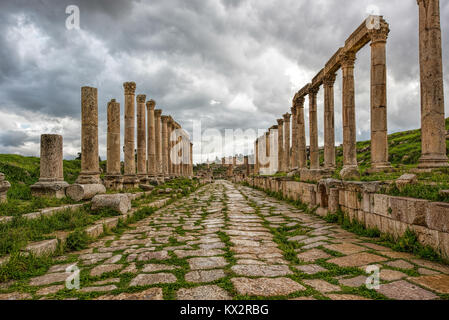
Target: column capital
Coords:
[[157, 112], [298, 102], [141, 98], [151, 104], [329, 79], [347, 59], [287, 117], [380, 34], [164, 119], [293, 110], [267, 133], [280, 122], [313, 91], [130, 88]]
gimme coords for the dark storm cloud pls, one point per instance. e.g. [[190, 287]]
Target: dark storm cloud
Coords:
[[14, 138], [248, 56]]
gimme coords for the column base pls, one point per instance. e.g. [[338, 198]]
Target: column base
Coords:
[[143, 178], [130, 182], [350, 172], [113, 182], [432, 161], [89, 178], [380, 167], [314, 174], [52, 189]]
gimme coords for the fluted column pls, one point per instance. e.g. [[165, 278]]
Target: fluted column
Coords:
[[433, 130], [130, 178], [329, 122], [90, 167], [287, 117], [165, 147], [113, 178], [151, 104], [141, 139], [280, 145], [350, 167], [313, 129], [294, 155], [379, 136], [158, 143], [302, 149]]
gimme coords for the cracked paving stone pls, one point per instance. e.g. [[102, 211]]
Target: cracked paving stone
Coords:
[[105, 268], [266, 287], [149, 294], [261, 270], [149, 279], [322, 286], [210, 292], [207, 263]]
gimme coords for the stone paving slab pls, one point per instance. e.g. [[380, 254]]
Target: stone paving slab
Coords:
[[266, 286]]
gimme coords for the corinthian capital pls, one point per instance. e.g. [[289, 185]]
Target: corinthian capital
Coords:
[[280, 122], [287, 117], [380, 34], [347, 59], [157, 112], [329, 79], [141, 98], [151, 104], [130, 88]]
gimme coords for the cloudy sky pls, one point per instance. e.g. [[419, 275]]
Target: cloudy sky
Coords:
[[231, 64]]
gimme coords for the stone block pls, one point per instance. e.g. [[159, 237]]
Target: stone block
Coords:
[[118, 202], [94, 231], [437, 217], [381, 204], [405, 179], [352, 199], [444, 244], [49, 189], [43, 248], [80, 192], [426, 236], [368, 202]]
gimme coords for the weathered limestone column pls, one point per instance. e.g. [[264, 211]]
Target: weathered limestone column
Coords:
[[88, 183], [191, 159], [51, 182], [280, 145], [379, 137], [267, 151], [302, 149], [313, 129], [433, 131], [113, 178], [294, 155], [234, 161], [329, 122], [256, 156], [287, 117], [141, 139], [158, 144], [90, 167], [4, 186], [246, 164], [273, 149], [152, 172], [130, 179], [350, 167], [170, 144], [165, 168]]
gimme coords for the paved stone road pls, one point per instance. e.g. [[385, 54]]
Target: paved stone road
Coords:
[[227, 241]]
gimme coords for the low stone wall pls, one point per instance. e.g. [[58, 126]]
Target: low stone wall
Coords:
[[362, 202]]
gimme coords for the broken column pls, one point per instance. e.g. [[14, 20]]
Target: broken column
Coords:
[[294, 155], [287, 141], [152, 173], [113, 178], [142, 174], [302, 149], [313, 129], [88, 183], [4, 186], [158, 144], [350, 167], [130, 179], [280, 145], [51, 182], [329, 122], [433, 131], [165, 147], [379, 137]]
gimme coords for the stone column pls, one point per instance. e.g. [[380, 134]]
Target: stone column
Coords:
[[350, 167], [313, 129], [170, 146], [287, 117], [165, 168], [267, 151], [191, 159], [130, 179], [90, 167], [158, 144], [273, 149], [433, 131], [302, 149], [141, 139], [329, 122], [113, 178], [152, 172], [280, 145], [256, 157], [294, 155], [4, 186], [234, 161], [51, 182], [246, 164], [379, 137]]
